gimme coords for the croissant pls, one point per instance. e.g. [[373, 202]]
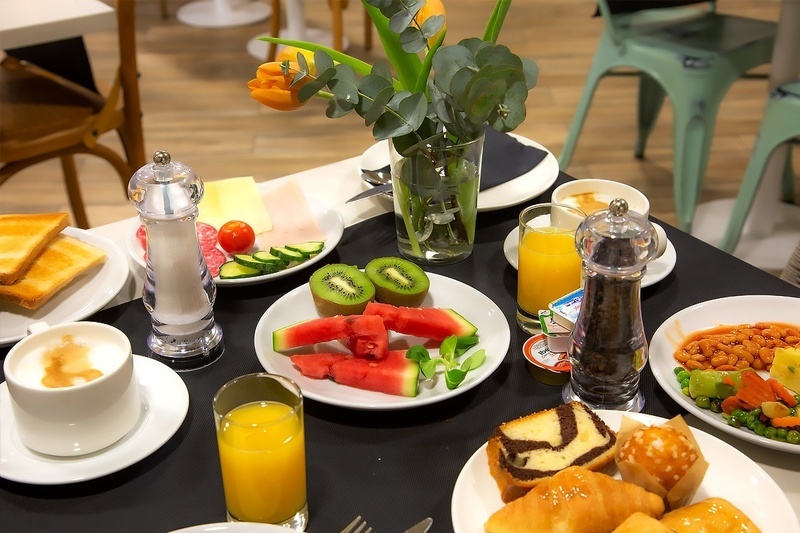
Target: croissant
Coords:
[[642, 523], [714, 515], [575, 500]]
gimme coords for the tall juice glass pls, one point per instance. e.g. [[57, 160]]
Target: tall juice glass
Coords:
[[549, 264], [261, 441]]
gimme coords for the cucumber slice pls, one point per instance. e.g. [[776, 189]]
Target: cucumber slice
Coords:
[[289, 256], [234, 270], [247, 260], [308, 249], [267, 258]]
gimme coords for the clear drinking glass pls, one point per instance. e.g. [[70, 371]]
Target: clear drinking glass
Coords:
[[549, 264], [261, 441]]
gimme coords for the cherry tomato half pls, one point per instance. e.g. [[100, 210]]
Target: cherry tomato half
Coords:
[[236, 237]]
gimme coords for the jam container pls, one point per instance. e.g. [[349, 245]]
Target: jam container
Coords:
[[557, 335], [550, 368]]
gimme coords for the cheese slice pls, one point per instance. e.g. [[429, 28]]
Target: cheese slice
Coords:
[[234, 199]]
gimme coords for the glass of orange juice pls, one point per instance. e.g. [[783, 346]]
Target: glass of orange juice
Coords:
[[261, 441], [549, 264]]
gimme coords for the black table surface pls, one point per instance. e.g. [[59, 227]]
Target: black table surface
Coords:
[[392, 467]]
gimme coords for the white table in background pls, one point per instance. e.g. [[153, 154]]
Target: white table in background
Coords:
[[222, 13], [30, 22], [772, 230]]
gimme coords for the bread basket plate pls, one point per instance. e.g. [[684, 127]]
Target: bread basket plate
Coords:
[[328, 218], [298, 305], [656, 270], [731, 475], [732, 310], [513, 192], [85, 295]]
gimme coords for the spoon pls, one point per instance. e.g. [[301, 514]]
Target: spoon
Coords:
[[376, 177]]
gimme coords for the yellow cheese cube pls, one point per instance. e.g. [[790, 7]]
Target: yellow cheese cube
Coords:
[[234, 199]]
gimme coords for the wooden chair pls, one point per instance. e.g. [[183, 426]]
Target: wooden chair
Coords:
[[337, 7], [691, 56], [46, 116]]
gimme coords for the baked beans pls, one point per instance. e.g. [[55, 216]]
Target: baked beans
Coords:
[[737, 347]]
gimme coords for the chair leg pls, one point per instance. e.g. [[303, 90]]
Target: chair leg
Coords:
[[275, 30], [74, 191], [336, 17], [651, 98], [592, 79]]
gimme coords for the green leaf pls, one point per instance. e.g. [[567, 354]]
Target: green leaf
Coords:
[[362, 67], [428, 368], [454, 377], [474, 361], [418, 353], [344, 84], [407, 66], [495, 22], [432, 26], [465, 343], [448, 346], [378, 106], [412, 40]]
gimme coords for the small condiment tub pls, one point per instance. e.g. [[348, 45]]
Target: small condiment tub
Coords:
[[557, 335], [550, 368]]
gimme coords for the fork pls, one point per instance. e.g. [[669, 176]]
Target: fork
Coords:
[[357, 526]]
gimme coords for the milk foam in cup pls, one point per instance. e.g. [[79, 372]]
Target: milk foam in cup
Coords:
[[72, 388], [591, 195]]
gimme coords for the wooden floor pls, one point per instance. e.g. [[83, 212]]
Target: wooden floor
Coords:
[[196, 106]]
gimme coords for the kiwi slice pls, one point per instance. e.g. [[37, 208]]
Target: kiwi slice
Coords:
[[398, 281], [340, 289]]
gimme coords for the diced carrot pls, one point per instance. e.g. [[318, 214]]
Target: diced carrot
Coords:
[[785, 421], [782, 392], [754, 391], [730, 403], [726, 379]]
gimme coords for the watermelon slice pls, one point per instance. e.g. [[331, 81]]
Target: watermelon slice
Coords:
[[394, 374], [425, 322], [365, 336]]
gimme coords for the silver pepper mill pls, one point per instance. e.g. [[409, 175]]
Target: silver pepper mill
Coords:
[[179, 291], [607, 347]]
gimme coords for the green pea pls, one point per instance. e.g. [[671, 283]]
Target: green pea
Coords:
[[793, 437], [685, 391], [733, 421], [781, 433], [793, 411], [678, 370], [703, 402], [751, 420], [740, 415], [770, 432], [759, 428], [716, 405], [685, 383], [756, 412], [683, 376]]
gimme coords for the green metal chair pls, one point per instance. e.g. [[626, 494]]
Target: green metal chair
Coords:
[[780, 123], [692, 55]]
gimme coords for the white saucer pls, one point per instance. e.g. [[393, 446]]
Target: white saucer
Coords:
[[656, 270], [165, 402]]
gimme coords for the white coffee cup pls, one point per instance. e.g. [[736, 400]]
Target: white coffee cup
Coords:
[[72, 387], [590, 195]]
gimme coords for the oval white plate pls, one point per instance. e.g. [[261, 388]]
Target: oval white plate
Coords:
[[328, 218], [512, 192], [234, 527], [732, 310], [656, 270], [87, 293], [165, 402], [476, 496], [297, 305]]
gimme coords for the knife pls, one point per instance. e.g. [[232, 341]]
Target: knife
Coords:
[[422, 527], [379, 189]]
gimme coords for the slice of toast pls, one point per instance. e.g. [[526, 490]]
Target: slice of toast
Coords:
[[61, 261], [22, 238]]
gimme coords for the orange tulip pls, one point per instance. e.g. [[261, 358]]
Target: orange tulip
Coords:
[[290, 53], [271, 87], [431, 7]]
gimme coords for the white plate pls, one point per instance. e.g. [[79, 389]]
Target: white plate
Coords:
[[296, 306], [656, 270], [233, 527], [512, 192], [87, 293], [328, 218], [165, 402], [732, 310], [476, 496]]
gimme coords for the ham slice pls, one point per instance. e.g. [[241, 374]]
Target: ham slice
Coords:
[[292, 219]]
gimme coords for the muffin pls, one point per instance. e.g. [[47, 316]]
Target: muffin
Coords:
[[663, 451]]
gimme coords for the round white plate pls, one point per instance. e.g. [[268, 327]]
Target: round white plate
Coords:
[[234, 527], [87, 293], [165, 402], [297, 305], [476, 496], [328, 218], [512, 192], [732, 310], [656, 270]]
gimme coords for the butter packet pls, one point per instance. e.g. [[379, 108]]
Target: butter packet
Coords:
[[685, 489], [565, 309]]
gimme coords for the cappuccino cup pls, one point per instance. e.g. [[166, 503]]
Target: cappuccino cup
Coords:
[[591, 195], [72, 388]]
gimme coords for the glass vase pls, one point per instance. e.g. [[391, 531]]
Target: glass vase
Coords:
[[436, 201]]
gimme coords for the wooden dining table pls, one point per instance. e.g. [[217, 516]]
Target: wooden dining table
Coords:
[[393, 467]]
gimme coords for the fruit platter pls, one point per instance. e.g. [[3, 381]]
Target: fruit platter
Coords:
[[296, 339], [707, 398]]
